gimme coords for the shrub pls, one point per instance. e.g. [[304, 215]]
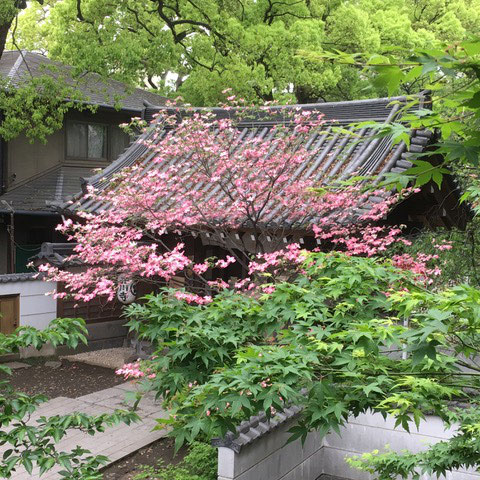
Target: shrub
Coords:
[[199, 464]]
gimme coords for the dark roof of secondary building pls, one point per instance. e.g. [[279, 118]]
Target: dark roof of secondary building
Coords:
[[255, 428], [56, 254], [333, 155], [18, 66], [45, 192], [19, 277]]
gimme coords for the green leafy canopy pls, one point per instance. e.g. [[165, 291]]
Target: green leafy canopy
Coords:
[[347, 336], [197, 49]]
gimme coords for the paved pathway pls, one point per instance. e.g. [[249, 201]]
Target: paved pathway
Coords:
[[116, 442]]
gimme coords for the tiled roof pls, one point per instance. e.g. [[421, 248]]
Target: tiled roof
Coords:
[[47, 191], [18, 66], [333, 155], [19, 277], [256, 427]]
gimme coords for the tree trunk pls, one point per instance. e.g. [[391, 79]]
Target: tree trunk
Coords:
[[4, 28], [8, 18], [304, 94]]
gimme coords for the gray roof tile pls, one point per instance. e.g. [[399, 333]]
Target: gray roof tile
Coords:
[[56, 254], [7, 62], [48, 190], [19, 277], [18, 66], [332, 155], [256, 427]]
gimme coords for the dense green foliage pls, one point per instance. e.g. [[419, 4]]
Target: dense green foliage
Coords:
[[349, 335], [9, 9], [198, 50], [452, 109], [33, 445], [37, 107], [247, 45], [199, 464]]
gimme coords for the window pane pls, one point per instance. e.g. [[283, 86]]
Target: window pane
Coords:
[[119, 141], [77, 140], [97, 145]]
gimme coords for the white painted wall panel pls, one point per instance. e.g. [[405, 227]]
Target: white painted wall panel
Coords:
[[270, 458], [371, 432], [27, 288], [39, 321], [35, 304], [36, 308]]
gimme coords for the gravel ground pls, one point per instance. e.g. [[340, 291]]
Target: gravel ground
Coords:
[[70, 379], [108, 358]]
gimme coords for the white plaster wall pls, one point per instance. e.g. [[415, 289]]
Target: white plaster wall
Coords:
[[270, 458], [36, 308], [370, 432]]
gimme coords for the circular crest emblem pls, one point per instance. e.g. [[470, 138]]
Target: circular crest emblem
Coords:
[[127, 292]]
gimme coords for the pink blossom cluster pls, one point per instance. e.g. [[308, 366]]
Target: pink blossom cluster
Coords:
[[134, 370], [443, 246], [225, 263], [266, 383], [201, 268], [364, 236], [268, 289], [218, 284], [292, 254], [193, 298], [369, 240], [419, 265]]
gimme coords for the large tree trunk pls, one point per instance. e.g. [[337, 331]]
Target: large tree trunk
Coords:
[[4, 28], [6, 22]]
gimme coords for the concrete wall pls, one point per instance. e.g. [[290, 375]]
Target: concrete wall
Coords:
[[111, 334], [36, 308], [271, 458], [268, 458], [369, 432]]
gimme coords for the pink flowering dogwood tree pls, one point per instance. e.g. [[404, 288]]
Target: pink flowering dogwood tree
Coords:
[[210, 176], [316, 322]]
